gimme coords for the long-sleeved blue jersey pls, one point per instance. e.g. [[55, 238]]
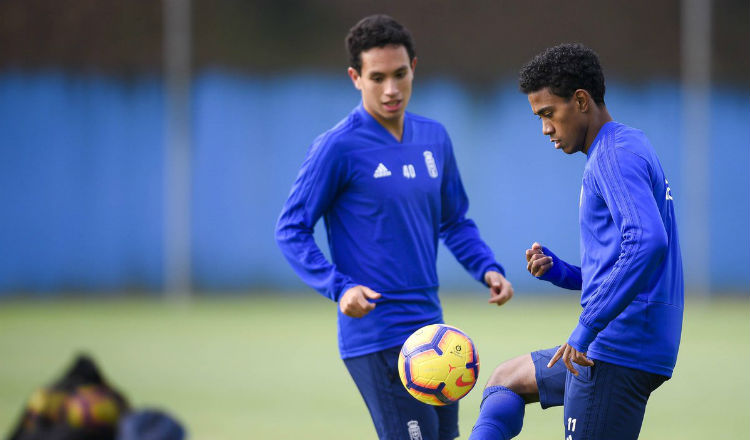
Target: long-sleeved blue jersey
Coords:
[[386, 204], [631, 268]]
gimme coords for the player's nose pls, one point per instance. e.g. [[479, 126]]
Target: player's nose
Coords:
[[547, 128], [391, 88]]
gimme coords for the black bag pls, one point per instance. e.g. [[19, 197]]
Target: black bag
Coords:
[[79, 406]]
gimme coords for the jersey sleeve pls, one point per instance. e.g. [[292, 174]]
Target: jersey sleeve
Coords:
[[459, 233], [562, 274], [319, 180], [623, 181]]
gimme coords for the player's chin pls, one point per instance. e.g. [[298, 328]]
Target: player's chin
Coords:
[[389, 115], [568, 150]]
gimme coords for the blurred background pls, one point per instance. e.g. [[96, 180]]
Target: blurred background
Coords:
[[146, 150]]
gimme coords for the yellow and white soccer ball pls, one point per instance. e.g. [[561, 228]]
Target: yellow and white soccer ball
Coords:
[[438, 364]]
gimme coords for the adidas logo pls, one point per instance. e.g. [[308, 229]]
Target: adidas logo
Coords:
[[381, 171]]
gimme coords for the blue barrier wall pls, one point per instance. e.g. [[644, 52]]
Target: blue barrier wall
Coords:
[[81, 175]]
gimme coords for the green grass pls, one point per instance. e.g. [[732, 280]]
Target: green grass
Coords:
[[267, 366]]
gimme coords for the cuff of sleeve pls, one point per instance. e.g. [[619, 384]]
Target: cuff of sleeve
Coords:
[[555, 273], [581, 338]]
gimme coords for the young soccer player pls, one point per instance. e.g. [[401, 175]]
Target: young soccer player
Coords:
[[625, 344], [387, 184]]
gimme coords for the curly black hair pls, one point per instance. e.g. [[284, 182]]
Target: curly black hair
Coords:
[[376, 31], [564, 69]]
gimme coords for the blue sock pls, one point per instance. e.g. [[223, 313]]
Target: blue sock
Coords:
[[500, 415]]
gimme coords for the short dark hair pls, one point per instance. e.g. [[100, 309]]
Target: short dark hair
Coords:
[[376, 31], [564, 69]]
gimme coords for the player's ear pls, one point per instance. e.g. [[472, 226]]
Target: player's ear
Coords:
[[355, 77], [413, 64], [583, 100]]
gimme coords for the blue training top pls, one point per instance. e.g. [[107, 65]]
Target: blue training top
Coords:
[[385, 204], [631, 271]]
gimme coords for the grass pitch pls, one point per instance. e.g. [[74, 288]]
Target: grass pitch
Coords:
[[267, 366]]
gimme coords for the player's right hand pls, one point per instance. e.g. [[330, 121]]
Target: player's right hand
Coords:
[[354, 302], [536, 262], [569, 355]]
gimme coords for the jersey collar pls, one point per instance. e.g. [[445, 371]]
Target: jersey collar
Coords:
[[600, 137], [373, 124]]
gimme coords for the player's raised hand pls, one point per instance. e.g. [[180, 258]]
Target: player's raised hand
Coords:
[[536, 262], [570, 355], [501, 291], [355, 301]]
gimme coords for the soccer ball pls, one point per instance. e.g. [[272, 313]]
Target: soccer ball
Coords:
[[91, 406], [438, 364]]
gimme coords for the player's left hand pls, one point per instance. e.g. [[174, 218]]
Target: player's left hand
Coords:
[[501, 291], [568, 354]]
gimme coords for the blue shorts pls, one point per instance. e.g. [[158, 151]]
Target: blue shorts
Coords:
[[396, 414], [603, 401]]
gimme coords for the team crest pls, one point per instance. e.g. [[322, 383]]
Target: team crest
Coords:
[[430, 162], [414, 432]]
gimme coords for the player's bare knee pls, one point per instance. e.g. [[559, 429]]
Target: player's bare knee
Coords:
[[516, 374]]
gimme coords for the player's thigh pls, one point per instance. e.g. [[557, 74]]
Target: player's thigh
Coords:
[[447, 421], [550, 380], [396, 414], [607, 401], [415, 420]]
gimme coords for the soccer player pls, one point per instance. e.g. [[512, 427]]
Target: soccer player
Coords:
[[387, 184], [626, 341]]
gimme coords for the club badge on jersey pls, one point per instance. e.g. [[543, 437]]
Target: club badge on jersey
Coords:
[[430, 162]]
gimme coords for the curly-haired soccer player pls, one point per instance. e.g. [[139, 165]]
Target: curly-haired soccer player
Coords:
[[387, 184], [626, 341]]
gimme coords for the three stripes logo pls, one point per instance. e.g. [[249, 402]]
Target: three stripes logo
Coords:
[[381, 171]]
